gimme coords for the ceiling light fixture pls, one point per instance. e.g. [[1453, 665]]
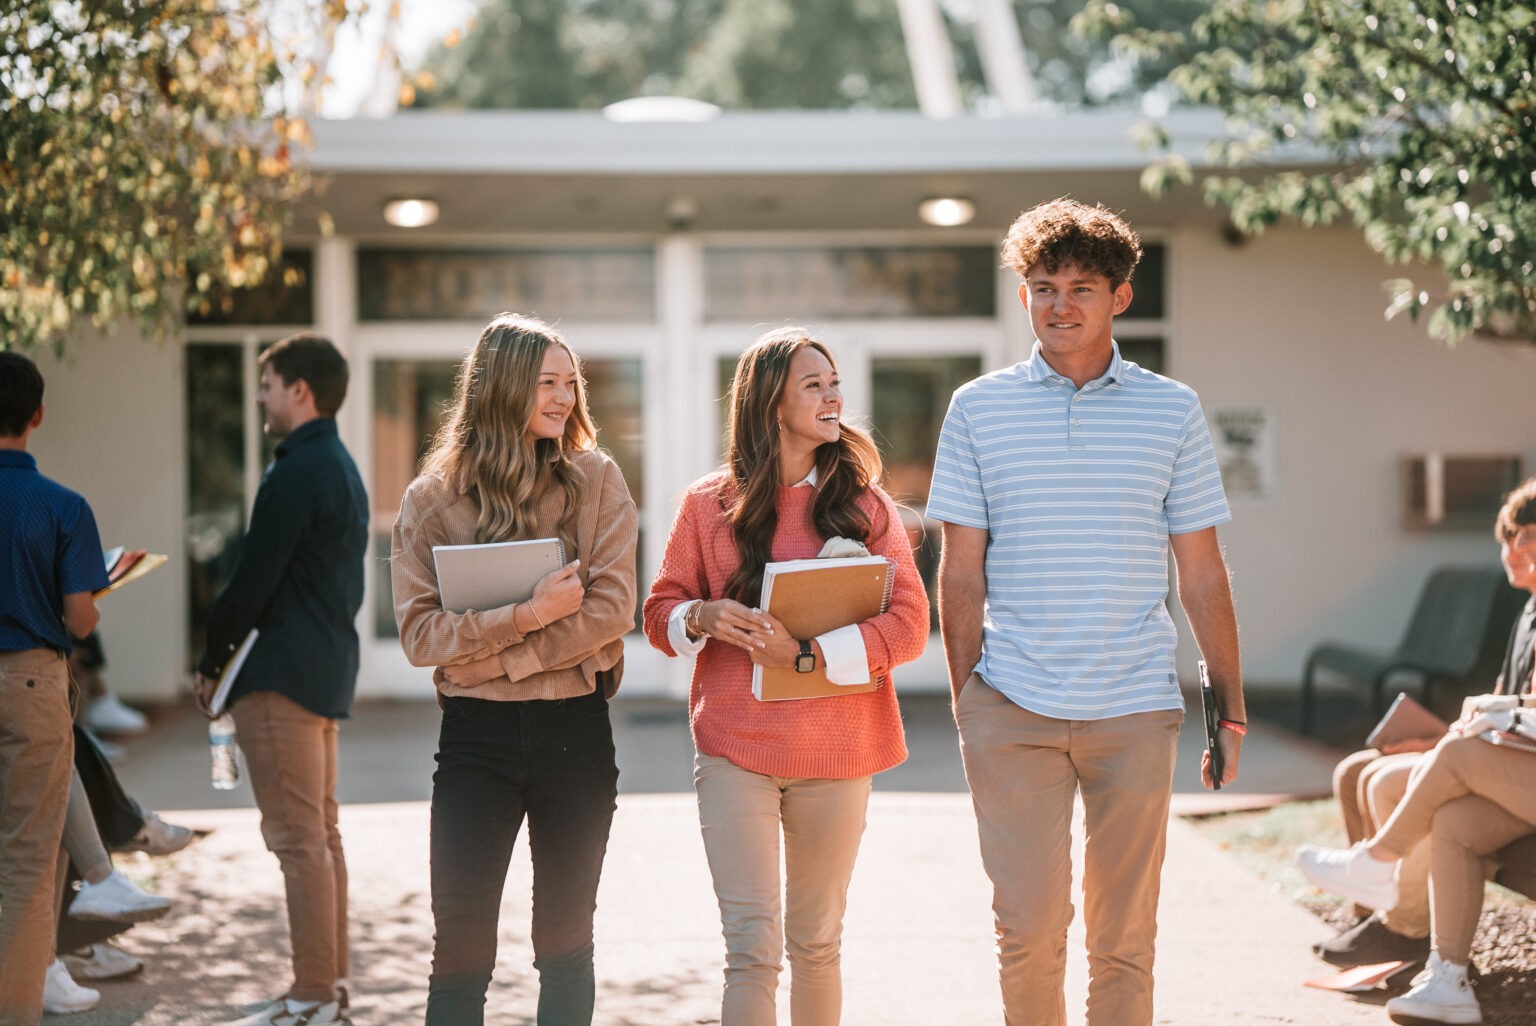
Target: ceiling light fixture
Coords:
[[660, 109], [946, 211], [411, 212]]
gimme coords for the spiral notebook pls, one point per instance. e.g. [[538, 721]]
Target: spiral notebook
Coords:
[[814, 596], [493, 574]]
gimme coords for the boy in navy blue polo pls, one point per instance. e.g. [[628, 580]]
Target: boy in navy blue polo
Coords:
[[50, 566]]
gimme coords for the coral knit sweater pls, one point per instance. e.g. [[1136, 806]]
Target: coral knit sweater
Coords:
[[843, 737]]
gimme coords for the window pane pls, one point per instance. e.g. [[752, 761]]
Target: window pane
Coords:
[[285, 296], [217, 414], [1149, 284], [410, 397], [475, 285], [1147, 353], [910, 396], [775, 285], [725, 370]]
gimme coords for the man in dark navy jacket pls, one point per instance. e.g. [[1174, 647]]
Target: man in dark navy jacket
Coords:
[[299, 583]]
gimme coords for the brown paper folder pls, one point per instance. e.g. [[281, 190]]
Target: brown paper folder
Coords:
[[814, 596], [127, 565], [1406, 720]]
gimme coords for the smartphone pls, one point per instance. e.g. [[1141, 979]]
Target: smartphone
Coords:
[[1212, 725]]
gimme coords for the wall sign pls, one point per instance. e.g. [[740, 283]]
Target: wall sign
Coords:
[[1244, 437]]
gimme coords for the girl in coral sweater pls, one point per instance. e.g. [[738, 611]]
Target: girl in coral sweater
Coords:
[[795, 477], [524, 687]]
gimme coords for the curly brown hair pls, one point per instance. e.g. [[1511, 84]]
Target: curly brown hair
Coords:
[[1065, 232], [1519, 511]]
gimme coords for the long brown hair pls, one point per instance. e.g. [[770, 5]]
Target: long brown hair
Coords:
[[844, 468], [483, 448]]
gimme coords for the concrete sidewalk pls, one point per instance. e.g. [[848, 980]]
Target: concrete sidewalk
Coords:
[[918, 947]]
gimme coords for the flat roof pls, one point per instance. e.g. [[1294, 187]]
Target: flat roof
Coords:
[[751, 142]]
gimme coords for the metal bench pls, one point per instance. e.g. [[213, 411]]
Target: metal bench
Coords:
[[1517, 866], [1456, 637]]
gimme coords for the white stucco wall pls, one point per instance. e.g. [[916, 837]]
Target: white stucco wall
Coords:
[[1292, 320], [113, 431]]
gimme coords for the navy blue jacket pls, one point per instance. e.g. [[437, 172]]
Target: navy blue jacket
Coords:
[[299, 577]]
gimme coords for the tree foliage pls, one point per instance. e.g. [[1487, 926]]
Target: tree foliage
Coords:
[[788, 54], [145, 159], [1422, 111]]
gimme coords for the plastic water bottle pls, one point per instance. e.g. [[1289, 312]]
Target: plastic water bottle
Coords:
[[226, 760]]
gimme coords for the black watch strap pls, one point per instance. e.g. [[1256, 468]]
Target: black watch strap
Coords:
[[805, 662]]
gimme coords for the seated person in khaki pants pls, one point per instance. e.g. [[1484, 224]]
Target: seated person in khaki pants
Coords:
[[1370, 783], [1466, 799]]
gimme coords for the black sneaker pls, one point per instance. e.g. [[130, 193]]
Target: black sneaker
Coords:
[[1369, 942]]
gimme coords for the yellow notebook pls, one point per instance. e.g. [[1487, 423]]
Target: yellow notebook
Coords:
[[814, 596]]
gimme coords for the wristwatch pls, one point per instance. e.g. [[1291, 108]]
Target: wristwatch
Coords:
[[805, 662]]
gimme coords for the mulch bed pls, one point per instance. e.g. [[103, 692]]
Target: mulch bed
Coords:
[[1504, 951]]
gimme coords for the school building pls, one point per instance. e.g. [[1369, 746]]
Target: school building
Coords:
[[1359, 454]]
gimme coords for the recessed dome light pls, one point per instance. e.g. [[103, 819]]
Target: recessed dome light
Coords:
[[946, 211], [411, 212], [659, 109]]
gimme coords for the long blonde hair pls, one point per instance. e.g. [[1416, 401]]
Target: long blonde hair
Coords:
[[483, 448], [845, 469]]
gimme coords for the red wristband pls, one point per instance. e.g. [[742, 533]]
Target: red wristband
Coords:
[[1235, 726]]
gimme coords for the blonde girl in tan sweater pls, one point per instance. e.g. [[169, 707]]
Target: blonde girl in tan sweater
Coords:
[[524, 687]]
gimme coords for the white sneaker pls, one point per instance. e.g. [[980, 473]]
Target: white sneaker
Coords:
[[1440, 994], [108, 715], [157, 837], [116, 899], [101, 961], [62, 994], [288, 1012], [1352, 873]]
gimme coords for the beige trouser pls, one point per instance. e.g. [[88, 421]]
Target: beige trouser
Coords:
[[1024, 772], [1470, 798], [741, 814], [37, 750], [290, 753], [1368, 786]]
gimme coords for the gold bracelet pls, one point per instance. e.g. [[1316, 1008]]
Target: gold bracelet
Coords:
[[691, 625], [535, 611]]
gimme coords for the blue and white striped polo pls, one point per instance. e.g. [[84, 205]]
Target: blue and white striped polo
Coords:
[[1079, 490]]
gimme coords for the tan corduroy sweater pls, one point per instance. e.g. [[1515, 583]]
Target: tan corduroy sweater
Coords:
[[561, 661]]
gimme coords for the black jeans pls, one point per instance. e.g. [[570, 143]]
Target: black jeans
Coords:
[[552, 761]]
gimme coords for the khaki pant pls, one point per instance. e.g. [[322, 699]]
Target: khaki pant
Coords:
[[1469, 798], [1024, 771], [741, 814], [290, 753], [1368, 786], [36, 757]]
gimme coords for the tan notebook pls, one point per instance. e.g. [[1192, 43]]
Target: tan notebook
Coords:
[[127, 565], [1406, 720], [494, 574], [814, 596]]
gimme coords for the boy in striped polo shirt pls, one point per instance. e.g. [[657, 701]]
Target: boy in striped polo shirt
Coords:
[[1062, 483]]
